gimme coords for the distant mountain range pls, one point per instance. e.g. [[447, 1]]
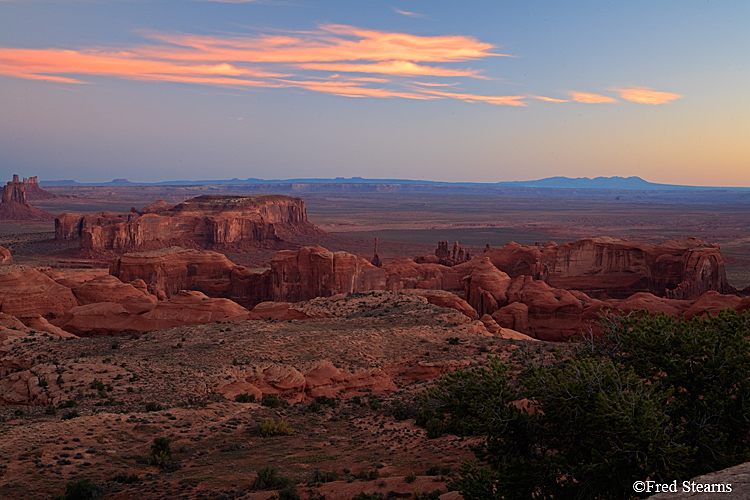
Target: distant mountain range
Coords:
[[606, 183]]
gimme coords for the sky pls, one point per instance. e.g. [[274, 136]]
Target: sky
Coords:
[[480, 91]]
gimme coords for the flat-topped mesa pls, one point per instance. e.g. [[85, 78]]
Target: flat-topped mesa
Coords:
[[15, 205], [209, 221], [613, 268]]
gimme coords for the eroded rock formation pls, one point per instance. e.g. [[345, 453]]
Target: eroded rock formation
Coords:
[[14, 204], [316, 272], [211, 222], [26, 290]]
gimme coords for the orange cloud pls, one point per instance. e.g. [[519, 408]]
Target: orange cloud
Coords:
[[321, 60], [548, 99], [591, 98], [434, 84], [645, 95], [331, 43], [352, 89], [507, 100], [390, 68]]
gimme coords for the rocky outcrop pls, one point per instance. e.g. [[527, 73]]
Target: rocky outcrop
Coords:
[[209, 222], [173, 269], [70, 226], [25, 290], [15, 206], [486, 287], [139, 313], [610, 268], [165, 272], [108, 289], [316, 272], [607, 268], [324, 379], [34, 192], [5, 258], [446, 256]]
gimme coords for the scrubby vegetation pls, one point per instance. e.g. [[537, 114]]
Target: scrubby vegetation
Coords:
[[656, 398]]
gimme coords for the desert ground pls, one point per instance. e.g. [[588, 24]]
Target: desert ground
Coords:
[[109, 397]]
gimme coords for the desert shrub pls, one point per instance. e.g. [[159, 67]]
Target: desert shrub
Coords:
[[97, 384], [245, 398], [326, 401], [273, 427], [67, 404], [161, 453], [368, 475], [152, 406], [318, 477], [657, 398], [70, 415], [401, 410], [125, 478], [434, 428], [83, 489], [50, 410], [271, 401], [269, 478], [289, 493], [411, 477], [314, 406]]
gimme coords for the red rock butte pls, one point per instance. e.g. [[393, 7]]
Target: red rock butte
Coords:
[[15, 205], [208, 222]]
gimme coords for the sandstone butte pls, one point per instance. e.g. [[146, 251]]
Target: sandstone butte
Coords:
[[209, 222], [14, 204]]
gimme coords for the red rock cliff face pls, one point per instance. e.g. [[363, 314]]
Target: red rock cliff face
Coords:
[[316, 272], [608, 268], [167, 271], [212, 222]]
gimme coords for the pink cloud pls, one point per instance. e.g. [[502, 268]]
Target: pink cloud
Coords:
[[645, 95], [591, 98]]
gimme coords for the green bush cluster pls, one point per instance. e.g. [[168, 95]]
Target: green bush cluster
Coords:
[[657, 398]]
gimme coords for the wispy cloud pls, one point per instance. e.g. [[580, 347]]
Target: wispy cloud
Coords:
[[407, 13], [507, 100], [645, 95], [547, 99], [334, 59], [591, 98]]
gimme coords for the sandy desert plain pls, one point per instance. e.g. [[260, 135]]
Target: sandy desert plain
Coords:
[[345, 366]]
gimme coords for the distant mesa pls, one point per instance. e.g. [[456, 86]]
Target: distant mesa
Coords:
[[206, 222], [15, 205]]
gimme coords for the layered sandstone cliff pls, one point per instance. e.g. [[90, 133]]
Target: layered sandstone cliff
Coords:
[[212, 222], [611, 268]]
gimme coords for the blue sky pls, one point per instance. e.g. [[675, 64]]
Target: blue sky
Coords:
[[483, 91]]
